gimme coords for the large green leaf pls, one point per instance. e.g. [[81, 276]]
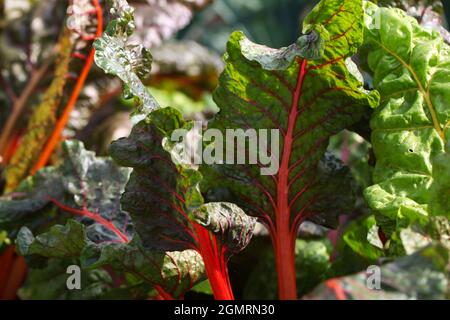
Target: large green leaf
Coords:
[[410, 67], [308, 92], [58, 242]]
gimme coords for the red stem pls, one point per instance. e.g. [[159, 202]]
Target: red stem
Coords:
[[338, 291], [284, 245], [61, 124], [96, 217], [215, 264], [163, 295]]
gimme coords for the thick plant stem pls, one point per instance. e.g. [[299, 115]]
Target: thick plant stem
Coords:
[[215, 264]]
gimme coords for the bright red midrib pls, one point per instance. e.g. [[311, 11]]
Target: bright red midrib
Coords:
[[284, 244], [215, 264], [96, 217]]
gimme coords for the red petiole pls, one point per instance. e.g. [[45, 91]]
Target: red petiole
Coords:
[[215, 263]]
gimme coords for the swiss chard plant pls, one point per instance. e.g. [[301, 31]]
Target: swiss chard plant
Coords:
[[351, 175], [308, 91]]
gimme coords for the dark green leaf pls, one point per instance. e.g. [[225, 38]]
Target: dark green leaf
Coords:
[[50, 283], [163, 197], [90, 187], [131, 63]]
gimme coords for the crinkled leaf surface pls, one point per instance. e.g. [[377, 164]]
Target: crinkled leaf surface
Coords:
[[151, 193], [228, 222], [312, 265], [308, 92], [173, 273], [82, 183], [411, 68], [422, 275], [131, 63], [165, 203], [163, 197], [58, 242], [157, 20]]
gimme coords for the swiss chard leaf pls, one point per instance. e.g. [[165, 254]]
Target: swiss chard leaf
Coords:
[[422, 275], [410, 69], [172, 273], [163, 197], [308, 92]]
